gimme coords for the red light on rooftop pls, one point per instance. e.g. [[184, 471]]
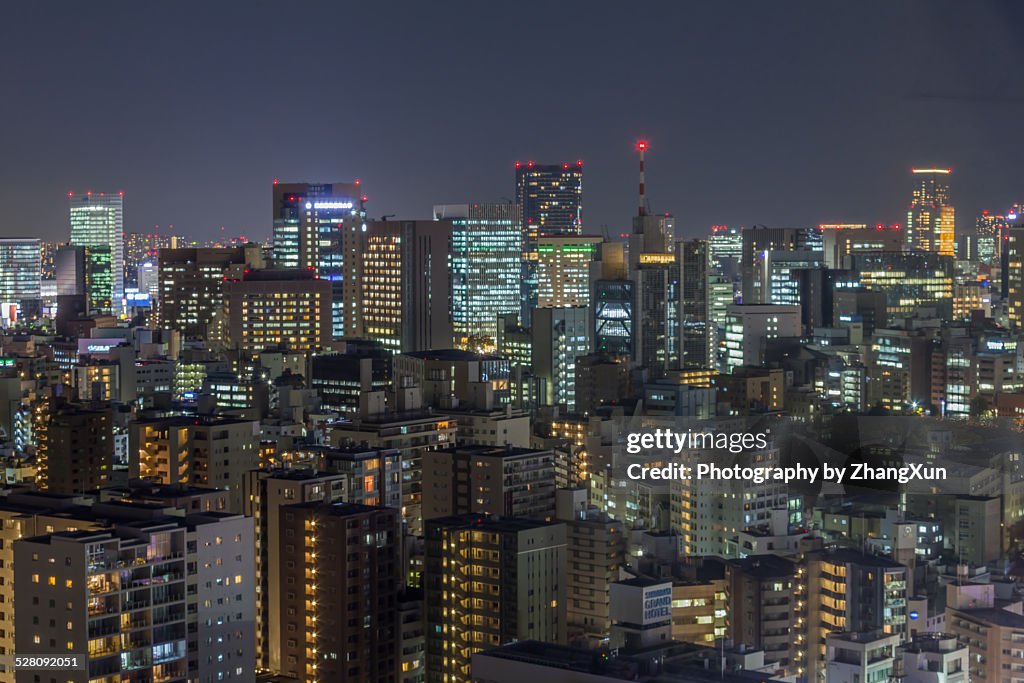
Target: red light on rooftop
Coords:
[[70, 194], [365, 198], [641, 145], [579, 162], [120, 193], [275, 181], [565, 167], [529, 164], [358, 181], [88, 194], [518, 164]]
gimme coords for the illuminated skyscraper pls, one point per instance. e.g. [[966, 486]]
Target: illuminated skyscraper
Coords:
[[931, 220], [20, 279], [97, 220], [487, 245], [268, 309], [550, 200], [696, 331], [318, 226], [563, 270], [406, 285]]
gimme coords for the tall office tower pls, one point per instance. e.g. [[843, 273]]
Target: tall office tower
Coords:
[[560, 336], [86, 272], [847, 590], [20, 280], [74, 447], [266, 491], [122, 598], [486, 270], [758, 242], [749, 326], [305, 214], [1014, 275], [268, 309], [613, 304], [342, 572], [97, 220], [500, 481], [764, 611], [990, 230], [696, 331], [142, 248], [725, 250], [406, 285], [191, 284], [784, 272], [655, 291], [47, 252], [931, 220], [564, 270], [487, 582], [550, 201], [319, 227]]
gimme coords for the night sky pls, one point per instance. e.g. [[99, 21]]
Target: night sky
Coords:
[[778, 113]]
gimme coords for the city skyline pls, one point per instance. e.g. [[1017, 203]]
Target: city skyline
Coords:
[[203, 125]]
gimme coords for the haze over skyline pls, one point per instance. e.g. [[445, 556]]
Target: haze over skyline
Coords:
[[781, 115]]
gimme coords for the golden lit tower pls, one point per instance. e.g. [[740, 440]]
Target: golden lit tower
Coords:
[[931, 219]]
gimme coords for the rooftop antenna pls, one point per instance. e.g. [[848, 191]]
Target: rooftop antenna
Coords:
[[641, 145]]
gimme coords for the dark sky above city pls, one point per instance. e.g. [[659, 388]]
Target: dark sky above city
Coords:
[[778, 113]]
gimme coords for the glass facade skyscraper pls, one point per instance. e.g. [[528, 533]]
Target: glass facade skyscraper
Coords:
[[318, 226], [486, 258], [20, 275], [97, 221], [550, 200]]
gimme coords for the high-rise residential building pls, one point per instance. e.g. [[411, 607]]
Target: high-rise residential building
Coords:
[[207, 451], [931, 219], [341, 378], [154, 596], [597, 545], [406, 285], [697, 334], [487, 582], [564, 267], [341, 573], [269, 309], [763, 610], [560, 336], [97, 220], [74, 447], [20, 280], [266, 491], [550, 201], [500, 481], [191, 284], [847, 590], [486, 268]]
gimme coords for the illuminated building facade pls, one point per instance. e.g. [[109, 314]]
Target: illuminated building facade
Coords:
[[487, 582], [20, 279], [97, 220], [563, 270], [909, 280], [654, 274], [560, 336], [696, 331], [1014, 276], [931, 220], [191, 284], [74, 447], [748, 325], [277, 308], [550, 201], [406, 285], [341, 572], [487, 246], [850, 591]]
